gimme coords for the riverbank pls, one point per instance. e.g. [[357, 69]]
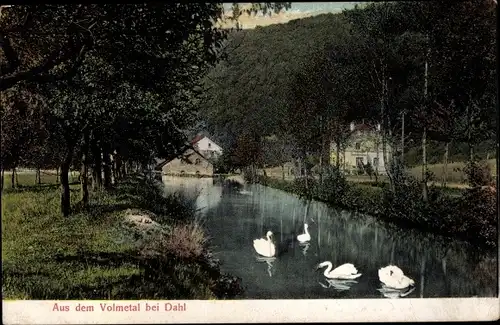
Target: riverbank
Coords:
[[131, 243], [470, 216]]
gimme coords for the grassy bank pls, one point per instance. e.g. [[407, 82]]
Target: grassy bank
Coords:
[[98, 253], [470, 215]]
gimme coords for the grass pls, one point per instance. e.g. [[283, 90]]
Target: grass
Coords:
[[27, 178], [94, 254], [456, 178], [455, 173]]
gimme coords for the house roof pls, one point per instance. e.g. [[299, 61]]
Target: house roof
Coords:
[[185, 154], [197, 138], [363, 127]]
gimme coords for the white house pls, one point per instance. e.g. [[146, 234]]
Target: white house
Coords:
[[206, 146], [364, 146]]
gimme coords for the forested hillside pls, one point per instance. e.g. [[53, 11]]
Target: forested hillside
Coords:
[[334, 60]]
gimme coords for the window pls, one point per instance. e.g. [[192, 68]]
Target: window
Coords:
[[358, 146], [359, 161], [375, 162], [209, 145], [183, 162], [197, 161]]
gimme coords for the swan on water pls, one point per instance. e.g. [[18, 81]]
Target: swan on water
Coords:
[[265, 247], [305, 236], [344, 272], [393, 277], [339, 285]]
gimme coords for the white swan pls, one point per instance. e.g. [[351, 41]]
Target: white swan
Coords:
[[343, 272], [245, 192], [305, 236], [265, 247], [393, 277]]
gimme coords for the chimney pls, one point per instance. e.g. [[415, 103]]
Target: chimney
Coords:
[[352, 126]]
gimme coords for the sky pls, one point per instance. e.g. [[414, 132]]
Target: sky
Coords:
[[298, 10]]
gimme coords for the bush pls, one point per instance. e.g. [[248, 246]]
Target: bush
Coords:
[[334, 186], [184, 241], [477, 215], [404, 200], [305, 187], [478, 173]]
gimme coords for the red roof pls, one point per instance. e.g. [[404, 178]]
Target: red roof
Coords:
[[363, 127], [197, 138]]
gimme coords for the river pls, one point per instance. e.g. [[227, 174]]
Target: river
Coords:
[[439, 266]]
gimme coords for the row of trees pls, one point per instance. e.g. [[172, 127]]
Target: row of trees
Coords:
[[422, 70], [425, 71], [82, 85]]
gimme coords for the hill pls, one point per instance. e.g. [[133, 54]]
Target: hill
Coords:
[[247, 93]]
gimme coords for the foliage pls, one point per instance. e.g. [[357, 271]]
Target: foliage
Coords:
[[115, 80], [478, 215], [478, 173], [334, 186], [312, 76], [471, 216]]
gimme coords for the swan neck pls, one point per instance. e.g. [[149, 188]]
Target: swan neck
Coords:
[[306, 231], [329, 268]]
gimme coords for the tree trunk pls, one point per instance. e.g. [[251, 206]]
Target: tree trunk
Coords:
[[13, 178], [424, 134], [96, 170], [424, 164], [343, 159], [445, 164], [17, 178], [107, 167], [378, 160], [402, 137], [3, 180], [84, 170], [65, 192], [337, 163], [283, 171], [117, 167], [57, 175]]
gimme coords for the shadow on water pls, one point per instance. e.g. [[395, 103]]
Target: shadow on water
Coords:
[[440, 267]]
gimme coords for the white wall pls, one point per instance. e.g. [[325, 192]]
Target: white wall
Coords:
[[206, 144]]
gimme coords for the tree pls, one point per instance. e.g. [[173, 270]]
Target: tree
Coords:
[[153, 55]]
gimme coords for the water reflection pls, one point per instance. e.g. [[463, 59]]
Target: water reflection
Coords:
[[339, 285], [305, 247], [442, 267], [395, 293], [269, 261]]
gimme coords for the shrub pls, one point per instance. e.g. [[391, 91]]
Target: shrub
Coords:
[[477, 215], [305, 187], [184, 241], [363, 198], [404, 200], [334, 186], [478, 173]]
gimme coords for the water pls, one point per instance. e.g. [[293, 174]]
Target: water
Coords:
[[440, 267]]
